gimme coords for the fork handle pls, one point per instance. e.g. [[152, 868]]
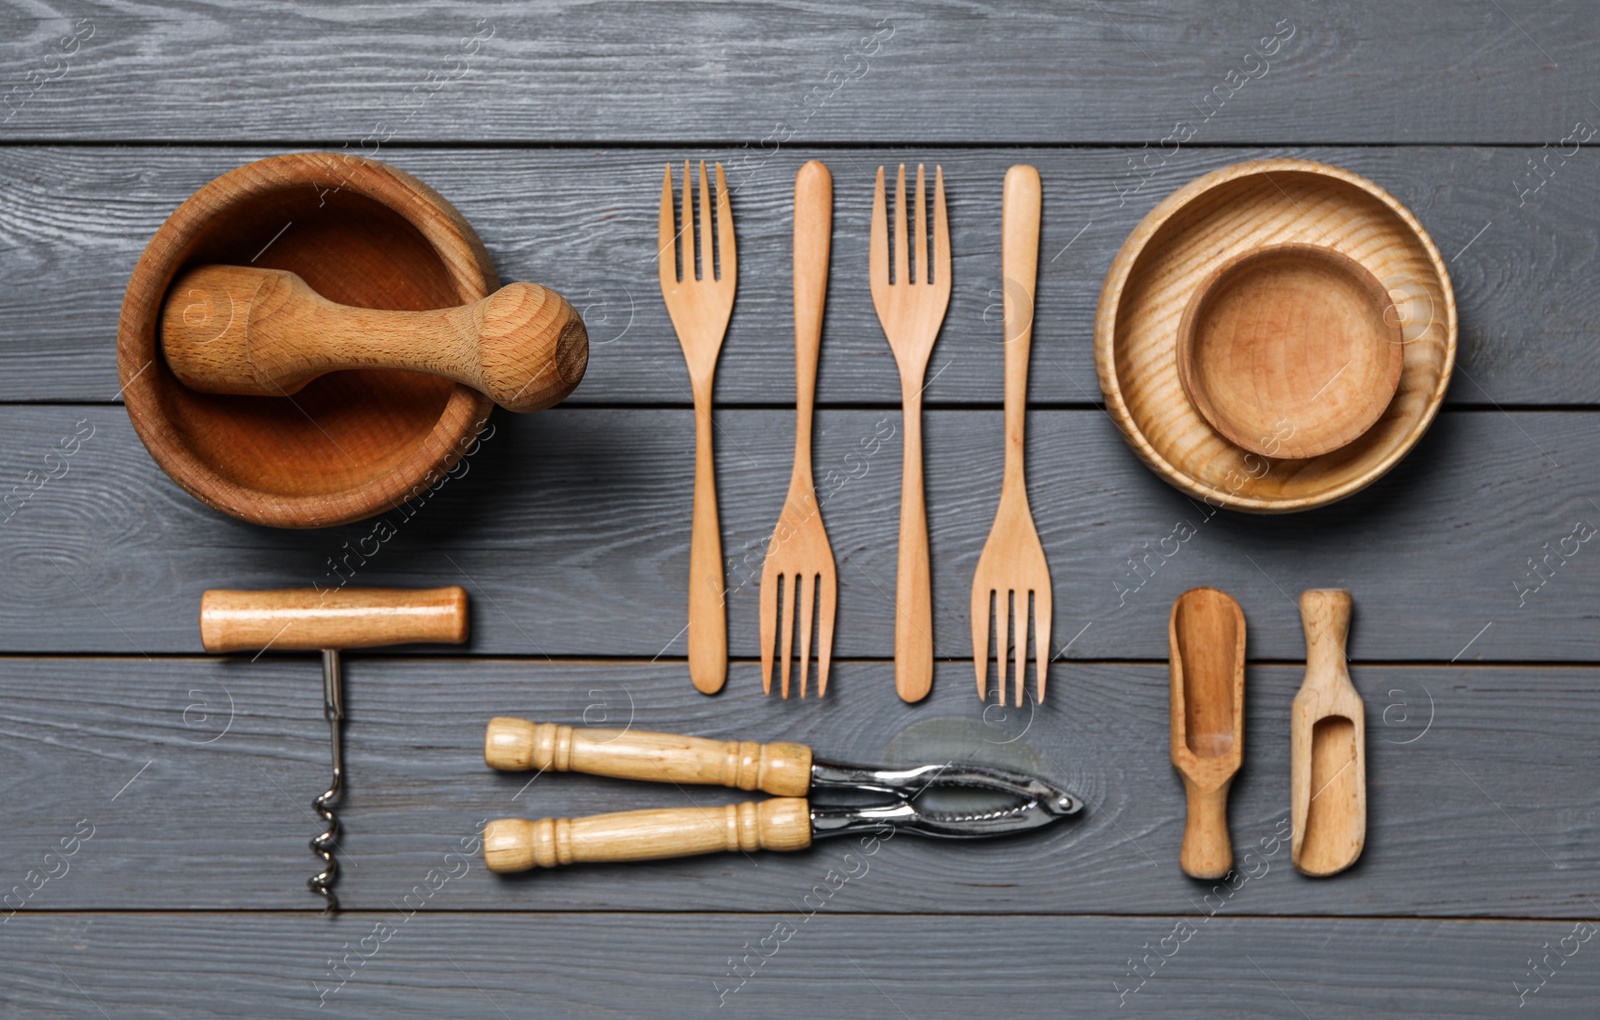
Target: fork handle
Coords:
[[1019, 267], [708, 613], [517, 745], [813, 234], [913, 590], [516, 844]]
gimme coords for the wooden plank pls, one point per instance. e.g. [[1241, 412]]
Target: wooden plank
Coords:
[[554, 965], [193, 779], [583, 221], [570, 521], [450, 70]]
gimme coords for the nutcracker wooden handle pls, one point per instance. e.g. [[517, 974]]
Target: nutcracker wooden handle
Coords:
[[516, 844], [308, 619], [265, 332], [517, 745]]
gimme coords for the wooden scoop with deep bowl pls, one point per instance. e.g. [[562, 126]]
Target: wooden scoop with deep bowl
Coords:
[[1207, 636], [1327, 744]]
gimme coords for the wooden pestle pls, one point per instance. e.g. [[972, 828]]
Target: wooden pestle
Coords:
[[265, 332]]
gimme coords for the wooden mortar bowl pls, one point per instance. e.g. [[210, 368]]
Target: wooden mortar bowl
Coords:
[[1290, 351], [350, 444], [1226, 216]]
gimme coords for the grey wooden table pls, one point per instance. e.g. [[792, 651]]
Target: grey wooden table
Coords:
[[181, 781]]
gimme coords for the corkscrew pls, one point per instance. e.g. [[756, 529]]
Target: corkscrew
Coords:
[[327, 620]]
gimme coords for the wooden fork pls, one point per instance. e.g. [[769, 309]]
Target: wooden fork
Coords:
[[911, 311], [700, 304], [799, 568], [1012, 566]]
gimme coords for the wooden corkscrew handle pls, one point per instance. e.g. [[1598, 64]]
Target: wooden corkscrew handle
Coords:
[[517, 745], [516, 844], [306, 619], [265, 332]]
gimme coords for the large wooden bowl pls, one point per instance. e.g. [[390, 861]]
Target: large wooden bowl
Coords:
[[351, 444], [1177, 252]]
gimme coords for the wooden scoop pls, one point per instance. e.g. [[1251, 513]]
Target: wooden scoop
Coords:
[[1207, 636], [265, 332], [1327, 744]]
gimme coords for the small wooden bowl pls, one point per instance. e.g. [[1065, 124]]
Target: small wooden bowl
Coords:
[[1229, 260], [1290, 351], [351, 444]]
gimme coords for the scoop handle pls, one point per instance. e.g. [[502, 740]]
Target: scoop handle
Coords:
[[1325, 617], [265, 332], [308, 619], [516, 844], [517, 745], [1207, 850]]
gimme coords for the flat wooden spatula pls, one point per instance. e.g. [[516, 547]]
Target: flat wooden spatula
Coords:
[[265, 332]]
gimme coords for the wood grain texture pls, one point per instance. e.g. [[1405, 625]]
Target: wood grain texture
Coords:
[[1327, 744], [553, 965], [698, 290], [231, 752], [352, 444], [1012, 575], [799, 570], [580, 221], [911, 307], [568, 520], [1126, 72], [517, 745], [1160, 276], [1259, 318], [193, 773], [523, 346], [1206, 721], [512, 845], [305, 619]]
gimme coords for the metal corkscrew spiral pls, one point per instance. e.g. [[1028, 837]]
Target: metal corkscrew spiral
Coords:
[[325, 842]]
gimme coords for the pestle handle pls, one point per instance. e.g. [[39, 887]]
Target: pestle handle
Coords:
[[265, 332], [306, 619]]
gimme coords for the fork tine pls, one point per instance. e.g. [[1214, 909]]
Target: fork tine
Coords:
[[786, 621], [686, 232], [1019, 620], [878, 249], [727, 256], [827, 596], [919, 244], [702, 234], [980, 638], [770, 583], [941, 232], [1041, 638], [667, 236], [902, 274], [1002, 637], [807, 595]]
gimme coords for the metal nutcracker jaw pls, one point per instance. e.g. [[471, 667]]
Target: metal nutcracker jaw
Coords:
[[1034, 802]]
